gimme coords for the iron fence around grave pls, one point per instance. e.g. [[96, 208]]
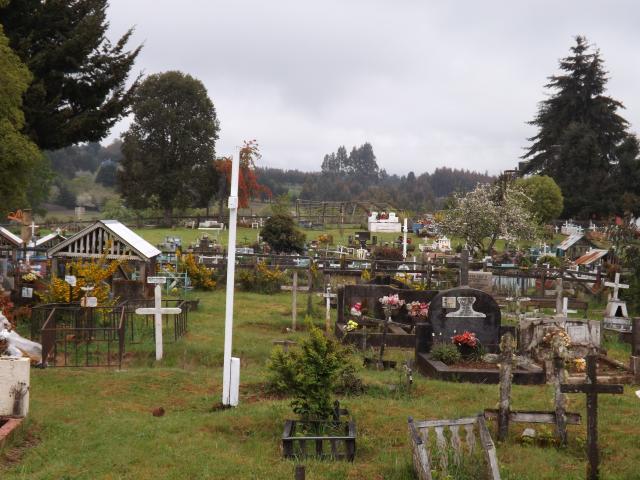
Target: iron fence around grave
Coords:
[[72, 336], [142, 327]]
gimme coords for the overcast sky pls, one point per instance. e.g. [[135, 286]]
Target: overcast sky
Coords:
[[427, 83]]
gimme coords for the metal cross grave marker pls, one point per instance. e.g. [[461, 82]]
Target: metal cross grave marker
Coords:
[[592, 389], [157, 311]]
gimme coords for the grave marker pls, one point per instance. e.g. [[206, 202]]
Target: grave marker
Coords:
[[613, 321], [461, 309], [328, 295], [157, 311], [592, 389]]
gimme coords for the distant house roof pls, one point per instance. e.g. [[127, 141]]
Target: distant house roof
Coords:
[[108, 237], [8, 239], [571, 240], [591, 256]]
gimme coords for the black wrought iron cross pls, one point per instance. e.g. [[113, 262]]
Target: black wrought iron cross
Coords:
[[592, 389]]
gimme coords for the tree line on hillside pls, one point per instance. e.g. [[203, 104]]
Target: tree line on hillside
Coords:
[[424, 192], [65, 84]]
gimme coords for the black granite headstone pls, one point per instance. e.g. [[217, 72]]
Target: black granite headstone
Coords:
[[457, 310]]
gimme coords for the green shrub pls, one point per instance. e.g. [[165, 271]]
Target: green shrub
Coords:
[[387, 253], [554, 262], [262, 279], [447, 353], [311, 374]]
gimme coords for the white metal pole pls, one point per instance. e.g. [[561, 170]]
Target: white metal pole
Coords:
[[231, 270], [404, 241]]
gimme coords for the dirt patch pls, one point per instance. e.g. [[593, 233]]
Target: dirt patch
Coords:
[[13, 455]]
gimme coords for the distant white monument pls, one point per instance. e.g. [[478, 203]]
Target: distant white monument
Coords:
[[384, 222]]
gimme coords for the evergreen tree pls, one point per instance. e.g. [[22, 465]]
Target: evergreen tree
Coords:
[[78, 89], [24, 169], [581, 136], [170, 144]]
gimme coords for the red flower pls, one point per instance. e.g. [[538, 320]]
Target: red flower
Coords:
[[467, 338]]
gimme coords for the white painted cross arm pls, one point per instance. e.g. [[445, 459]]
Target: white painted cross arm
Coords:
[[616, 285], [161, 311]]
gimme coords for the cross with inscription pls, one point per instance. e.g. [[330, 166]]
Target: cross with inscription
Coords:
[[592, 389]]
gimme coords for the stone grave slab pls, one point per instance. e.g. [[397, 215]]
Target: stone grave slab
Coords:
[[367, 295], [462, 309], [458, 310]]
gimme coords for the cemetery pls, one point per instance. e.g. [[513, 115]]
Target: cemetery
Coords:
[[175, 306], [402, 323]]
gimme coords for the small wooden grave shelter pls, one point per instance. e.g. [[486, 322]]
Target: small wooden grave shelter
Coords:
[[574, 246], [10, 244], [429, 449], [10, 247], [117, 242]]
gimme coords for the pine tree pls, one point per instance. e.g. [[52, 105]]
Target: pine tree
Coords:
[[25, 175], [78, 91], [580, 134]]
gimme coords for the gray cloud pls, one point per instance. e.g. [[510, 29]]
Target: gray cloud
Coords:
[[427, 83]]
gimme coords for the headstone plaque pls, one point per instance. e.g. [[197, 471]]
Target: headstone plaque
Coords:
[[449, 302], [27, 292], [481, 281], [458, 310]]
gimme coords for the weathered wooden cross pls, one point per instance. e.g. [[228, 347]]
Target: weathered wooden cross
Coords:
[[157, 311], [592, 389], [328, 295]]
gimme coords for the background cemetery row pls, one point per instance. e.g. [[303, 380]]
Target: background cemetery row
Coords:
[[525, 301]]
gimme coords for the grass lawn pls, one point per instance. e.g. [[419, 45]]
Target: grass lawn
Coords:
[[97, 423], [248, 236]]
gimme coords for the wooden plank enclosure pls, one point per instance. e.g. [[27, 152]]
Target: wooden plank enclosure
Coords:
[[461, 435], [320, 446]]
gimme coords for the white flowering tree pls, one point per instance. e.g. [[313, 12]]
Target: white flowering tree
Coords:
[[490, 212]]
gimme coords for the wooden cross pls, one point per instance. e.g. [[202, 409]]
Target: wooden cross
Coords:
[[328, 295], [157, 311], [592, 389]]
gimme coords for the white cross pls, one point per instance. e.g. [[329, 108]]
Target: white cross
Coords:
[[556, 229], [565, 307], [328, 295], [616, 286], [157, 311]]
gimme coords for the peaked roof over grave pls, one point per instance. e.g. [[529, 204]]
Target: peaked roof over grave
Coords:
[[48, 241], [571, 240], [106, 236], [591, 256], [8, 239]]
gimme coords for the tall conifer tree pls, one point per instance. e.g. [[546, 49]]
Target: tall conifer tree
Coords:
[[582, 139], [78, 90]]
